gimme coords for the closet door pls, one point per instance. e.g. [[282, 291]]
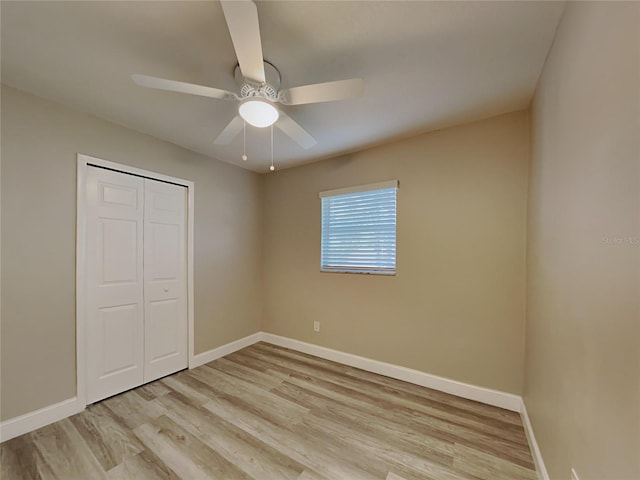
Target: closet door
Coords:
[[165, 279], [114, 269]]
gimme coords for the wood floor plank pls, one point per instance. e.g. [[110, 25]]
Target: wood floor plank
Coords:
[[489, 467], [208, 460], [20, 458], [445, 399], [189, 386], [247, 453], [109, 439], [242, 372], [393, 476], [412, 466], [411, 401], [428, 393], [161, 445], [266, 412], [144, 466], [310, 475], [132, 409], [430, 424], [388, 428], [324, 458], [152, 390], [284, 410], [65, 452]]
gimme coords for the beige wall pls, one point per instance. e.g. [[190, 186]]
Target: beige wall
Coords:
[[456, 306], [583, 317], [40, 140]]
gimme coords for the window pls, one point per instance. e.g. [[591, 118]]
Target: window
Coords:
[[359, 229]]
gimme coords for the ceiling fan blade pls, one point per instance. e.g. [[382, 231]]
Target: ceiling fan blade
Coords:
[[289, 126], [230, 131], [242, 20], [322, 92], [181, 87]]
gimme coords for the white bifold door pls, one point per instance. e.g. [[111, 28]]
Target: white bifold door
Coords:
[[136, 273]]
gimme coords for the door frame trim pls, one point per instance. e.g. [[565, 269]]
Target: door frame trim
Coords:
[[84, 162]]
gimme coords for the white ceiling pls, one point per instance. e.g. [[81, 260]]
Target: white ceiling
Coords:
[[425, 64]]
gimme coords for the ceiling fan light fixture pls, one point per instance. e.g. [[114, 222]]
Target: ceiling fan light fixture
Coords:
[[258, 112]]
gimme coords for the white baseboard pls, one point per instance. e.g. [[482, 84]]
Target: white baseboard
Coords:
[[39, 418], [496, 398], [541, 470], [214, 354]]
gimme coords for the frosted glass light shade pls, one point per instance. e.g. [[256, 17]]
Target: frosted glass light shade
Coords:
[[258, 112]]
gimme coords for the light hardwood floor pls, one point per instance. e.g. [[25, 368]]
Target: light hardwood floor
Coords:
[[265, 413]]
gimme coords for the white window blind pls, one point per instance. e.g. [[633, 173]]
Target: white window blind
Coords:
[[359, 229]]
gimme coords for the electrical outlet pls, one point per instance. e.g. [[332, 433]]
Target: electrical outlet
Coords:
[[316, 326], [574, 475]]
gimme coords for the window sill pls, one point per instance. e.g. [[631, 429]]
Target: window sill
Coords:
[[387, 273]]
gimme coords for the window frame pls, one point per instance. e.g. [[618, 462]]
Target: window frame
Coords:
[[366, 270]]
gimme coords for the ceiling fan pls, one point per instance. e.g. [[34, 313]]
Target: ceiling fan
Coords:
[[259, 82]]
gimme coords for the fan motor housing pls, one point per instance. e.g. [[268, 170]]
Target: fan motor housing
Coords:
[[268, 90], [263, 91]]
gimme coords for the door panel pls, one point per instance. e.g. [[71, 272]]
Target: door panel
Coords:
[[119, 248], [165, 281], [121, 341], [164, 329], [114, 229], [166, 251]]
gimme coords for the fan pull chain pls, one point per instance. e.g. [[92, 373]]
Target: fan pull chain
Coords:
[[244, 140], [272, 168]]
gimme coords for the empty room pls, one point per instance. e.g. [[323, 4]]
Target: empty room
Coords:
[[320, 240]]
